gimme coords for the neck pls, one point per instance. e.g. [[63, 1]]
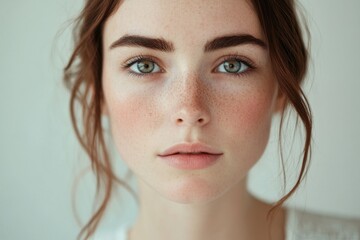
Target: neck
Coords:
[[235, 215]]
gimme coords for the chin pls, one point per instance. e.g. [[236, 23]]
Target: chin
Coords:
[[193, 190]]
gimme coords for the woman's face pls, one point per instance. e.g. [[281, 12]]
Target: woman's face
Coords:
[[189, 89]]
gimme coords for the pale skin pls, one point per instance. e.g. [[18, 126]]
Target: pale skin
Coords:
[[187, 95]]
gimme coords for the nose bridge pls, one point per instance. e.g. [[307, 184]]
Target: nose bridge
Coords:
[[191, 100], [189, 89]]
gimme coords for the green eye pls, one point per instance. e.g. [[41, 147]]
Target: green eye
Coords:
[[144, 66], [233, 66]]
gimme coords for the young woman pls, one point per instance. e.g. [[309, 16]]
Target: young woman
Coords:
[[190, 89]]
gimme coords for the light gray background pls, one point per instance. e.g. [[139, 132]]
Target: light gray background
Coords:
[[40, 158]]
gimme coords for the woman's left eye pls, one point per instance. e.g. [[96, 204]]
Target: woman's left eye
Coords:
[[233, 66]]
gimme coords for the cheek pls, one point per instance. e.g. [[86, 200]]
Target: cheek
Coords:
[[125, 114], [248, 123], [257, 112], [247, 112], [131, 120]]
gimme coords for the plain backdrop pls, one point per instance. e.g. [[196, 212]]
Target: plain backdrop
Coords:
[[40, 157]]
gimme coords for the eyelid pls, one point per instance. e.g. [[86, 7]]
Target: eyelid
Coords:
[[236, 57], [127, 64]]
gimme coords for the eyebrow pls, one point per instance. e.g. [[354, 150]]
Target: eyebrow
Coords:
[[166, 46]]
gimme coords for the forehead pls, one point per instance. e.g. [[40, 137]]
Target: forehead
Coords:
[[185, 21]]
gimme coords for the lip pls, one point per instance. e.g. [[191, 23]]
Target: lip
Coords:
[[190, 156], [190, 148]]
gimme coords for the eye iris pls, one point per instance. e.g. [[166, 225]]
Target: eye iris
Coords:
[[145, 66], [232, 66]]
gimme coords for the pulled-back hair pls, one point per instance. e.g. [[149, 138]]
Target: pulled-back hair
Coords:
[[82, 76]]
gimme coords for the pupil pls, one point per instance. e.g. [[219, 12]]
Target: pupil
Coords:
[[233, 66], [145, 67]]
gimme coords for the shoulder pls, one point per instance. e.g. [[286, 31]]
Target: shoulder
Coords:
[[301, 224]]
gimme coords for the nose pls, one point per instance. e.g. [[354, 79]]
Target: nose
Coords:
[[191, 118], [191, 103]]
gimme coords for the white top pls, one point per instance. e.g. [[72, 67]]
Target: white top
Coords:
[[300, 225]]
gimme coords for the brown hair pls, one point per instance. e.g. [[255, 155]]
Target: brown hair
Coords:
[[82, 76]]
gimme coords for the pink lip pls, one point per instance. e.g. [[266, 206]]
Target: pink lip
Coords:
[[190, 156]]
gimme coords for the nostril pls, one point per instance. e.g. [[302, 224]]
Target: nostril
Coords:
[[194, 121]]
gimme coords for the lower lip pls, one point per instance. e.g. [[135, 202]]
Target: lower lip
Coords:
[[191, 161]]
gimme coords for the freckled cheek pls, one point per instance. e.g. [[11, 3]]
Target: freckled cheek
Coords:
[[248, 121], [250, 114], [131, 120]]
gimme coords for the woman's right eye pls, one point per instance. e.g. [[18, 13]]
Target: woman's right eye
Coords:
[[143, 66]]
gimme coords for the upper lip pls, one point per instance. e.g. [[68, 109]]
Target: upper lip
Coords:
[[188, 148]]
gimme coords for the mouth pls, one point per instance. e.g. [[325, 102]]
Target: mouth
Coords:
[[190, 153], [190, 156], [190, 149]]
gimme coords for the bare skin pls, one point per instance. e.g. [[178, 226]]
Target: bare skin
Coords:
[[224, 218], [189, 93]]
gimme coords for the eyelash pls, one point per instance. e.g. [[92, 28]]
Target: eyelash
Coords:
[[231, 57]]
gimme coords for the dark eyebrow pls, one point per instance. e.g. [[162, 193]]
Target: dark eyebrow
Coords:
[[165, 46], [135, 40], [233, 40]]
